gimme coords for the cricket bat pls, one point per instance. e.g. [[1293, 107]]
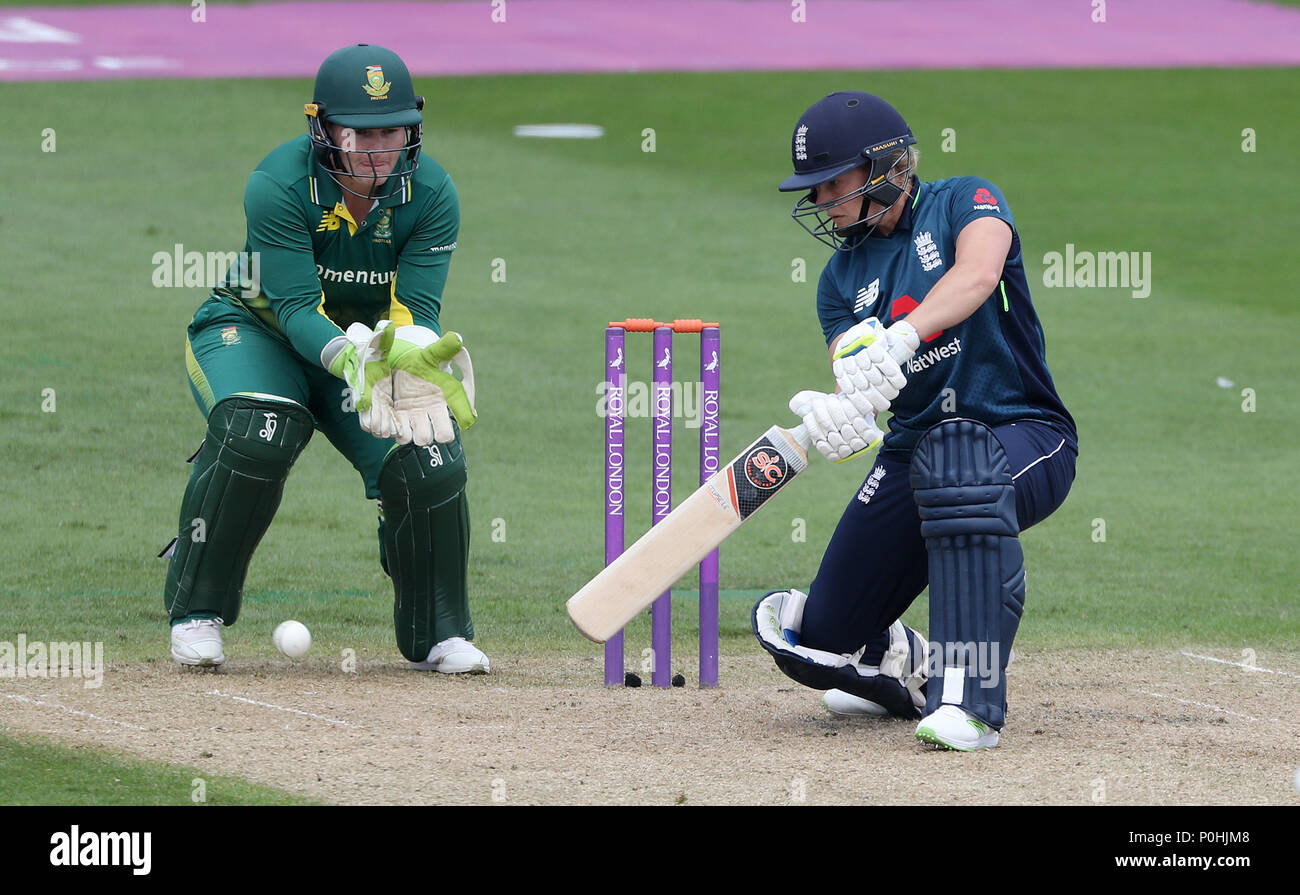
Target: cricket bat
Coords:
[[685, 536]]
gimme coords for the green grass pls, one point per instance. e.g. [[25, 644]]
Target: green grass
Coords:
[[34, 771], [1195, 494]]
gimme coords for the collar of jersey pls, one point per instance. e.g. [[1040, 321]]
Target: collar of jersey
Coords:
[[325, 192], [905, 219]]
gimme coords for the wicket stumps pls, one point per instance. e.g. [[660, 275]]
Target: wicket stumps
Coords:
[[661, 402]]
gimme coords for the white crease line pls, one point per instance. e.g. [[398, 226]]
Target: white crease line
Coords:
[[1240, 665], [1206, 705], [64, 708], [281, 708]]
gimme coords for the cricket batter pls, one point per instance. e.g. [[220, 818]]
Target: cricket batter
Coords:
[[350, 234], [925, 307]]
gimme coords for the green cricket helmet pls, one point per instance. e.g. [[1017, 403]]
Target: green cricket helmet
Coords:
[[365, 87]]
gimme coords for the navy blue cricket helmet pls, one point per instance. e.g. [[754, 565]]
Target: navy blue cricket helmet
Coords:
[[842, 131]]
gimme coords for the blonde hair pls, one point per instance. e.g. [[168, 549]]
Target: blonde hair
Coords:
[[913, 158]]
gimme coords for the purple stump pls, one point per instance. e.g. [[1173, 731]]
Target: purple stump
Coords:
[[661, 494], [710, 459], [615, 416]]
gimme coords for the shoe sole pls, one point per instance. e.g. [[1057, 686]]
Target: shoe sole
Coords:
[[442, 668], [928, 735], [199, 663], [853, 716], [840, 714]]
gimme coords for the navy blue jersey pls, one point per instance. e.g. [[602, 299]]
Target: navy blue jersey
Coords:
[[993, 362]]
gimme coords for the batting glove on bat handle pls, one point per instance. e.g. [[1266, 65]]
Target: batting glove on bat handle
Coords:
[[834, 425]]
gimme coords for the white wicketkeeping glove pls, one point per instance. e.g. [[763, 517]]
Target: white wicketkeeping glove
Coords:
[[423, 394], [362, 363], [868, 362], [835, 426]]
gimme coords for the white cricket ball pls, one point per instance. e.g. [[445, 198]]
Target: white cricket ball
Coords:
[[292, 638]]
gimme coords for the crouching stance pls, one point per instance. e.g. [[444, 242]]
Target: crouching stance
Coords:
[[926, 311], [329, 320]]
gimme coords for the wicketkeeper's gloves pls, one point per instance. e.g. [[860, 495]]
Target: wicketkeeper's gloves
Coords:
[[423, 393]]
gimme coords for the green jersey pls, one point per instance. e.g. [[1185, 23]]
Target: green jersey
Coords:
[[314, 270]]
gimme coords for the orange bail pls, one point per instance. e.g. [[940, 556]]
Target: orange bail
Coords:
[[649, 325], [693, 325], [638, 324]]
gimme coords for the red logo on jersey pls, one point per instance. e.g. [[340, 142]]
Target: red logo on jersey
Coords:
[[901, 307], [984, 197]]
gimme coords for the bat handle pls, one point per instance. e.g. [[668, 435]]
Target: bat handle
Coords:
[[800, 434]]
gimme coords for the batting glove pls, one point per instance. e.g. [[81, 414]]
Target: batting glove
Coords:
[[837, 429], [868, 363]]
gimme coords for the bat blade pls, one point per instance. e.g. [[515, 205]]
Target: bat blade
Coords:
[[629, 584]]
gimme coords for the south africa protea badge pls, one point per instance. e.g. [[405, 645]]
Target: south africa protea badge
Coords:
[[384, 227], [375, 84]]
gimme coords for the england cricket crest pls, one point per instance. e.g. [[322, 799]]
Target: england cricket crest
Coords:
[[375, 84]]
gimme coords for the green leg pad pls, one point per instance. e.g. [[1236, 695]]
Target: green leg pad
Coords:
[[425, 536], [234, 490]]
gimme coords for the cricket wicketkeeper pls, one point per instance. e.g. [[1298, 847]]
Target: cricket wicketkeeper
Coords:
[[926, 310], [352, 229]]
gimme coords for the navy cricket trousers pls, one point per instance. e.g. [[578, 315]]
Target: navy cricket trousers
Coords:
[[876, 562]]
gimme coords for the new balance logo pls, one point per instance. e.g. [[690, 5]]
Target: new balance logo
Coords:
[[867, 296], [328, 221]]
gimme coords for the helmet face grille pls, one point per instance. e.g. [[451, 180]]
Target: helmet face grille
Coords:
[[330, 157], [880, 188]]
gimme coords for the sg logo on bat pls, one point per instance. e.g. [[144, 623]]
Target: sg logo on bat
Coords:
[[765, 468]]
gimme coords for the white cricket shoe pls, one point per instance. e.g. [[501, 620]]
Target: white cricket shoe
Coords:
[[455, 655], [952, 727], [846, 705], [197, 641]]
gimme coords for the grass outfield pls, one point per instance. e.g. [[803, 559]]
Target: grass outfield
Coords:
[[37, 772], [1194, 492]]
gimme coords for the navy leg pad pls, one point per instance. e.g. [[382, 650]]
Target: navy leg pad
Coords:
[[966, 498]]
